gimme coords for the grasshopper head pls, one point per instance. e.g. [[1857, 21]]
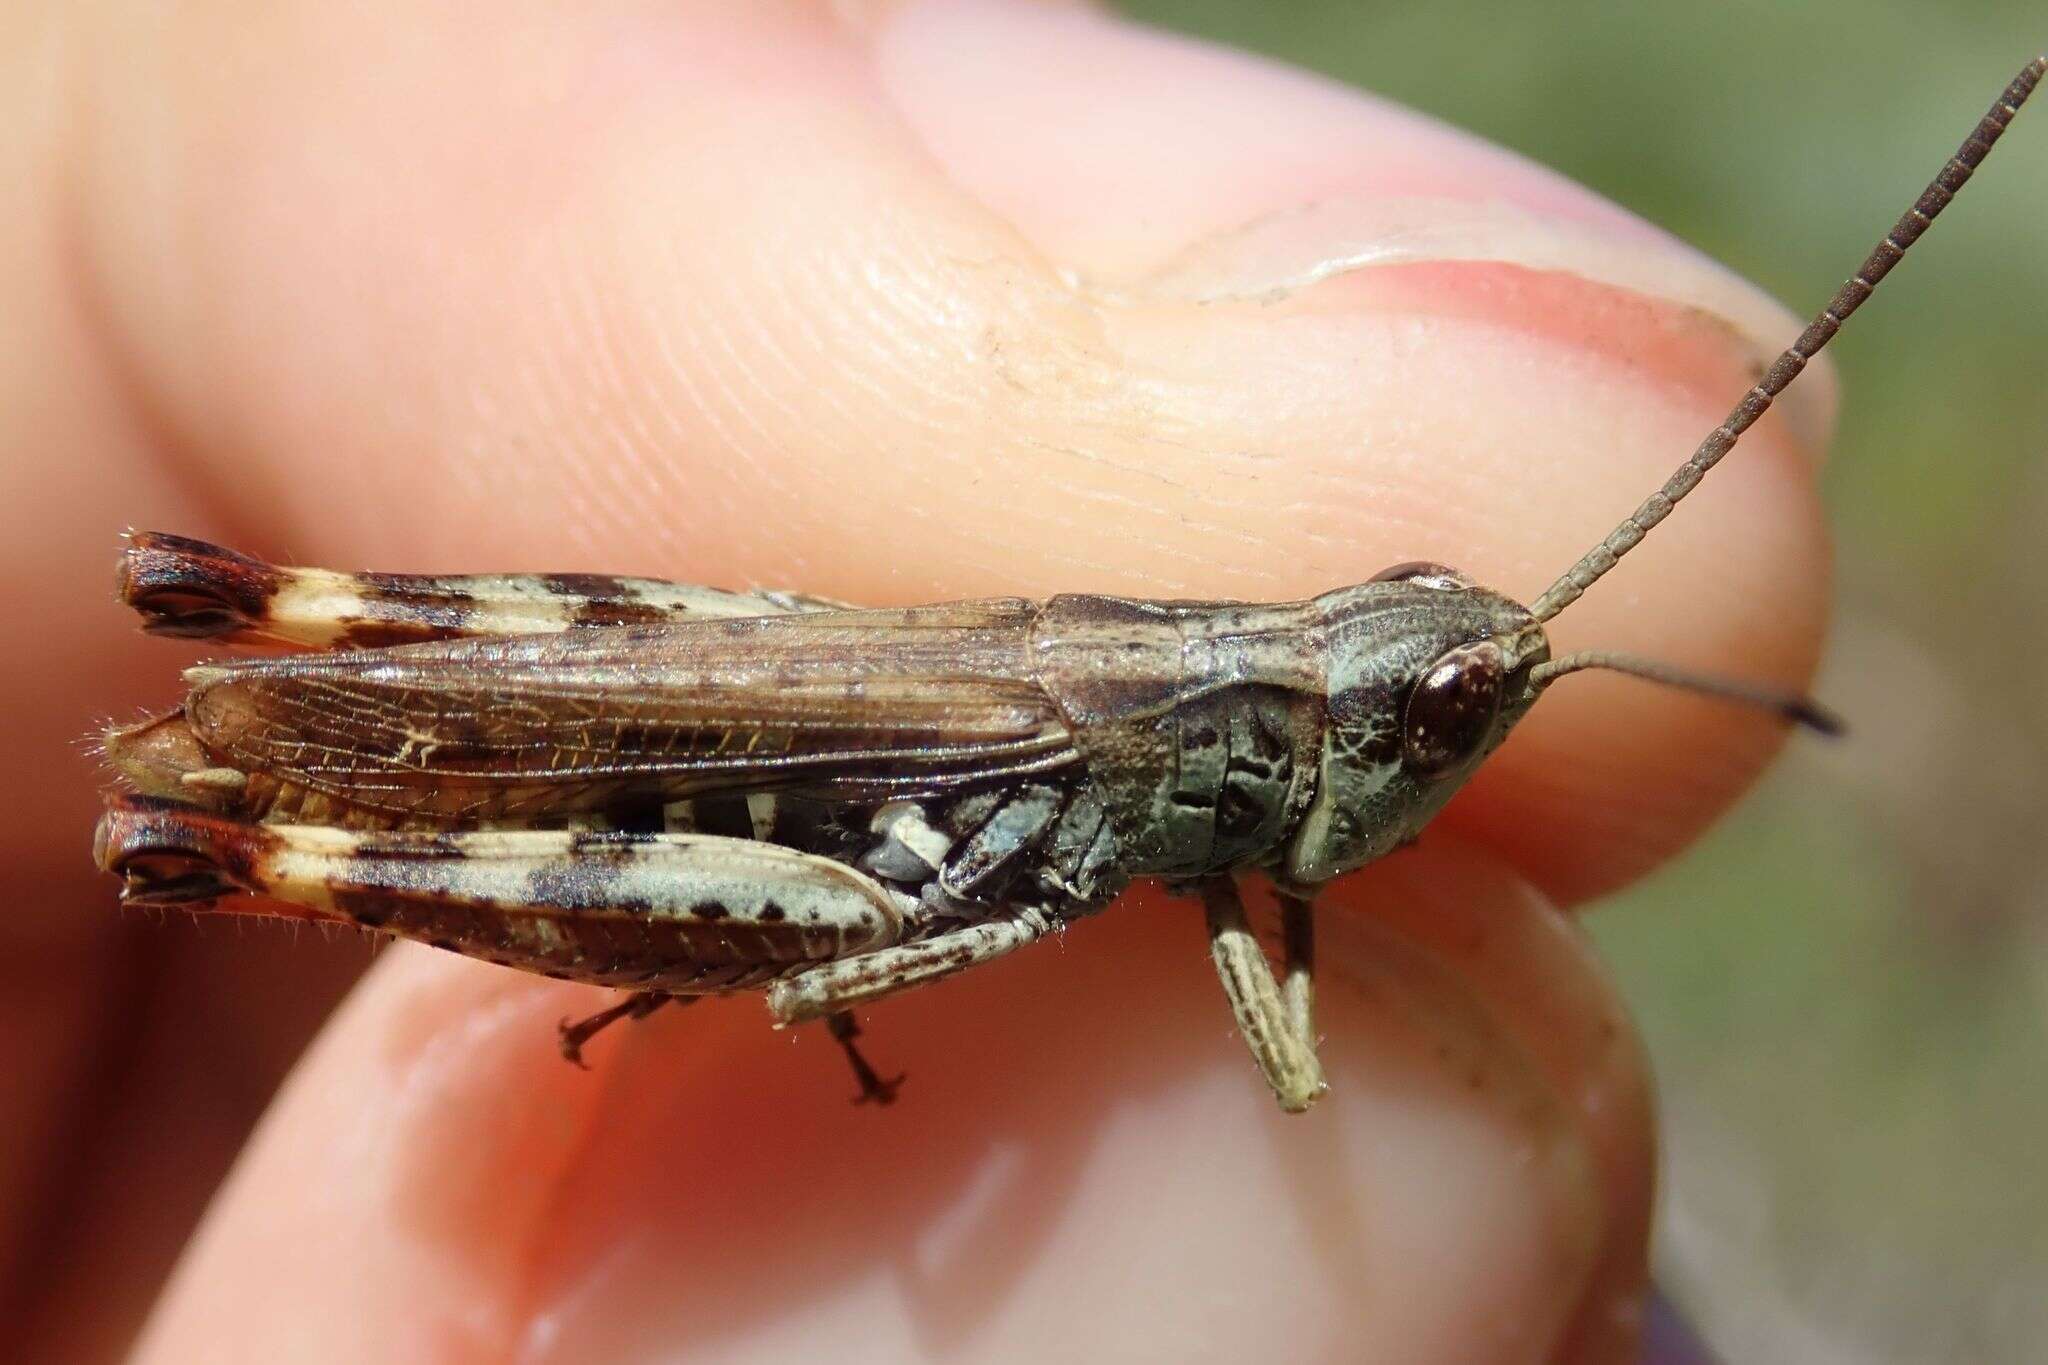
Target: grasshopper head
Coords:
[[1427, 673]]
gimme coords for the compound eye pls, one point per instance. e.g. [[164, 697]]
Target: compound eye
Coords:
[[1452, 709], [1426, 572]]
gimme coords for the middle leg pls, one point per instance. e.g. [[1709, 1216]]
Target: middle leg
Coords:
[[639, 1006], [834, 987]]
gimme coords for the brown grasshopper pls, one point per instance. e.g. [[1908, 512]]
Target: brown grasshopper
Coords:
[[682, 792]]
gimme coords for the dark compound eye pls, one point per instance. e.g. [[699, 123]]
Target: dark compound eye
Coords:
[[1452, 709], [1426, 572]]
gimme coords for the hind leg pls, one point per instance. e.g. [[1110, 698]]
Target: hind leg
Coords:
[[194, 590], [693, 913]]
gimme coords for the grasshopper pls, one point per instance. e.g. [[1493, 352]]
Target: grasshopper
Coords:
[[681, 791]]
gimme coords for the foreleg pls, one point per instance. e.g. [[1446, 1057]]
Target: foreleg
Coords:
[[1298, 966], [1276, 1032]]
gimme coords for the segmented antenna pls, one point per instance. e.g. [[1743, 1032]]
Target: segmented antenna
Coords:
[[1625, 537], [1793, 707]]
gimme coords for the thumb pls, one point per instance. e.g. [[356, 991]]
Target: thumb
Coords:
[[942, 301]]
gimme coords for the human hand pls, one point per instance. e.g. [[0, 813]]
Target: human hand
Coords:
[[892, 304]]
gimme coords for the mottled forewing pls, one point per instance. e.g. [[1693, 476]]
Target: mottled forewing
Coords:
[[841, 704]]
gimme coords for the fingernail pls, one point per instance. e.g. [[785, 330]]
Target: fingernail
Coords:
[[1155, 167]]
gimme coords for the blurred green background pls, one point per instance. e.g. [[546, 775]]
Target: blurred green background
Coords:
[[1845, 987]]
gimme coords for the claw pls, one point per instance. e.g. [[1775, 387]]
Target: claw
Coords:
[[881, 1092], [571, 1040], [873, 1089], [575, 1035]]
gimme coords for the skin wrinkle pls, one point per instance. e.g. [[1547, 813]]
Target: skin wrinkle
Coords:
[[684, 378], [623, 422], [1064, 394], [617, 421], [922, 325], [1496, 516], [898, 353], [770, 383], [942, 75], [769, 450], [753, 397]]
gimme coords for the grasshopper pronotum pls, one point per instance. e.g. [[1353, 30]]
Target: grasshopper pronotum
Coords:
[[680, 791]]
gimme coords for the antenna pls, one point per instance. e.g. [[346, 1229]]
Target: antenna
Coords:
[[1625, 537], [1791, 707]]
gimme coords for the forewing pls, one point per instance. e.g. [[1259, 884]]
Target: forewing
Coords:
[[843, 704]]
